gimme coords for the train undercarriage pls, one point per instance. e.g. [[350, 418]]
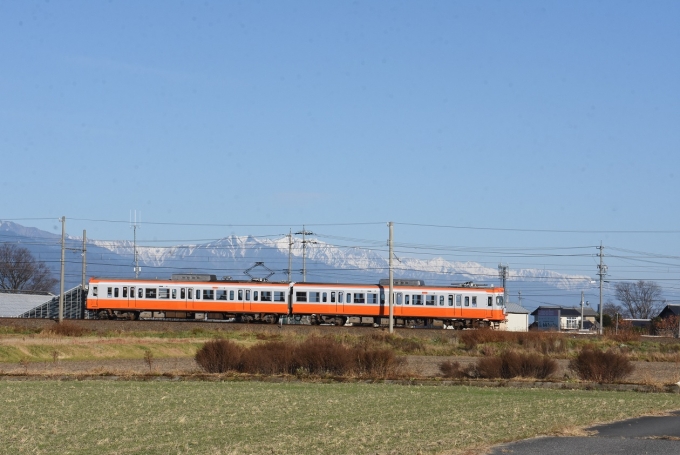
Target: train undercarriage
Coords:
[[314, 319]]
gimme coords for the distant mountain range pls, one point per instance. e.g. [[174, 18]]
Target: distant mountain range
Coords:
[[231, 256]]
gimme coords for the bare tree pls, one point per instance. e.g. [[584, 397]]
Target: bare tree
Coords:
[[20, 271], [640, 300]]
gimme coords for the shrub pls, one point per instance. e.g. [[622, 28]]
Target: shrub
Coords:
[[511, 364], [318, 355], [274, 357], [450, 369], [67, 329], [594, 365], [375, 362], [219, 356]]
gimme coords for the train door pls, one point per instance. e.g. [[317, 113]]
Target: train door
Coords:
[[248, 300], [126, 296], [182, 298], [458, 305], [240, 300]]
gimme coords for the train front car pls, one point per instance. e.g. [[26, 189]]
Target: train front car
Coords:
[[188, 296], [457, 307], [415, 304]]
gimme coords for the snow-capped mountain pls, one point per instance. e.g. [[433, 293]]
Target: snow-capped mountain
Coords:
[[232, 256]]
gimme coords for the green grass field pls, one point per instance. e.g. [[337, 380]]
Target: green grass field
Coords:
[[163, 417]]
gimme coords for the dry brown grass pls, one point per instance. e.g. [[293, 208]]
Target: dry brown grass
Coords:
[[313, 356], [595, 365]]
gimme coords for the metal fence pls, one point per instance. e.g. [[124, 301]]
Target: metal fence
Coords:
[[74, 306]]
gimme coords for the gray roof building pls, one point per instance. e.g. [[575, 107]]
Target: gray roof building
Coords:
[[12, 305]]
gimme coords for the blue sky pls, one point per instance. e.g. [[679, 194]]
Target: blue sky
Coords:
[[259, 116]]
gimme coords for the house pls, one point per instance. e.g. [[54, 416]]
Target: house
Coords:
[[516, 318], [564, 318]]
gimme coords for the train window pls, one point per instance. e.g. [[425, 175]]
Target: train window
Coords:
[[266, 296], [457, 299], [340, 294], [467, 300], [190, 293], [430, 300], [164, 293], [132, 292], [109, 292], [255, 295], [174, 293], [371, 298], [407, 299], [240, 294], [314, 297], [474, 300], [151, 293], [300, 296], [333, 297], [489, 301], [499, 300], [279, 296], [231, 295], [140, 293], [359, 298], [198, 294], [124, 291], [208, 294], [94, 291], [399, 296], [115, 292], [247, 294], [382, 298], [348, 298], [450, 300], [221, 294], [441, 300], [324, 297], [183, 293], [417, 299]]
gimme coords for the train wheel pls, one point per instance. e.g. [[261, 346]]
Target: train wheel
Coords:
[[340, 320], [102, 314]]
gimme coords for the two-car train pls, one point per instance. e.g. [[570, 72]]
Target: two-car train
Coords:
[[199, 296]]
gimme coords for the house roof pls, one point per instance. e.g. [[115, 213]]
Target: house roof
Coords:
[[515, 308], [670, 309], [12, 305]]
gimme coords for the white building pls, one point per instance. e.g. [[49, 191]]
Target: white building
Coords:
[[516, 318]]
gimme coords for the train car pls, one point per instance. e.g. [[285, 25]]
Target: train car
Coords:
[[198, 296], [188, 296], [414, 304]]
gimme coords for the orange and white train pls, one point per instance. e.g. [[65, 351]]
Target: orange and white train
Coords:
[[199, 296]]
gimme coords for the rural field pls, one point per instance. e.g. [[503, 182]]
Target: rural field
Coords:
[[166, 417], [136, 388]]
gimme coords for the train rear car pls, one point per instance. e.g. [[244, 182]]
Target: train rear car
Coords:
[[188, 296]]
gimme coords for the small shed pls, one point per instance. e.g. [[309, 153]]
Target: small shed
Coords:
[[516, 318]]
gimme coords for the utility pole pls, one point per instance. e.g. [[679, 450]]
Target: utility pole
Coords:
[[581, 310], [602, 271], [134, 244], [503, 273], [519, 297], [391, 290], [290, 253], [84, 257], [61, 284], [304, 251]]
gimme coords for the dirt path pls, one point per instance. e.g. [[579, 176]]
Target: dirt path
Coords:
[[423, 366]]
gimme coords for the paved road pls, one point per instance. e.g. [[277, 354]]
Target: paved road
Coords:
[[644, 435]]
